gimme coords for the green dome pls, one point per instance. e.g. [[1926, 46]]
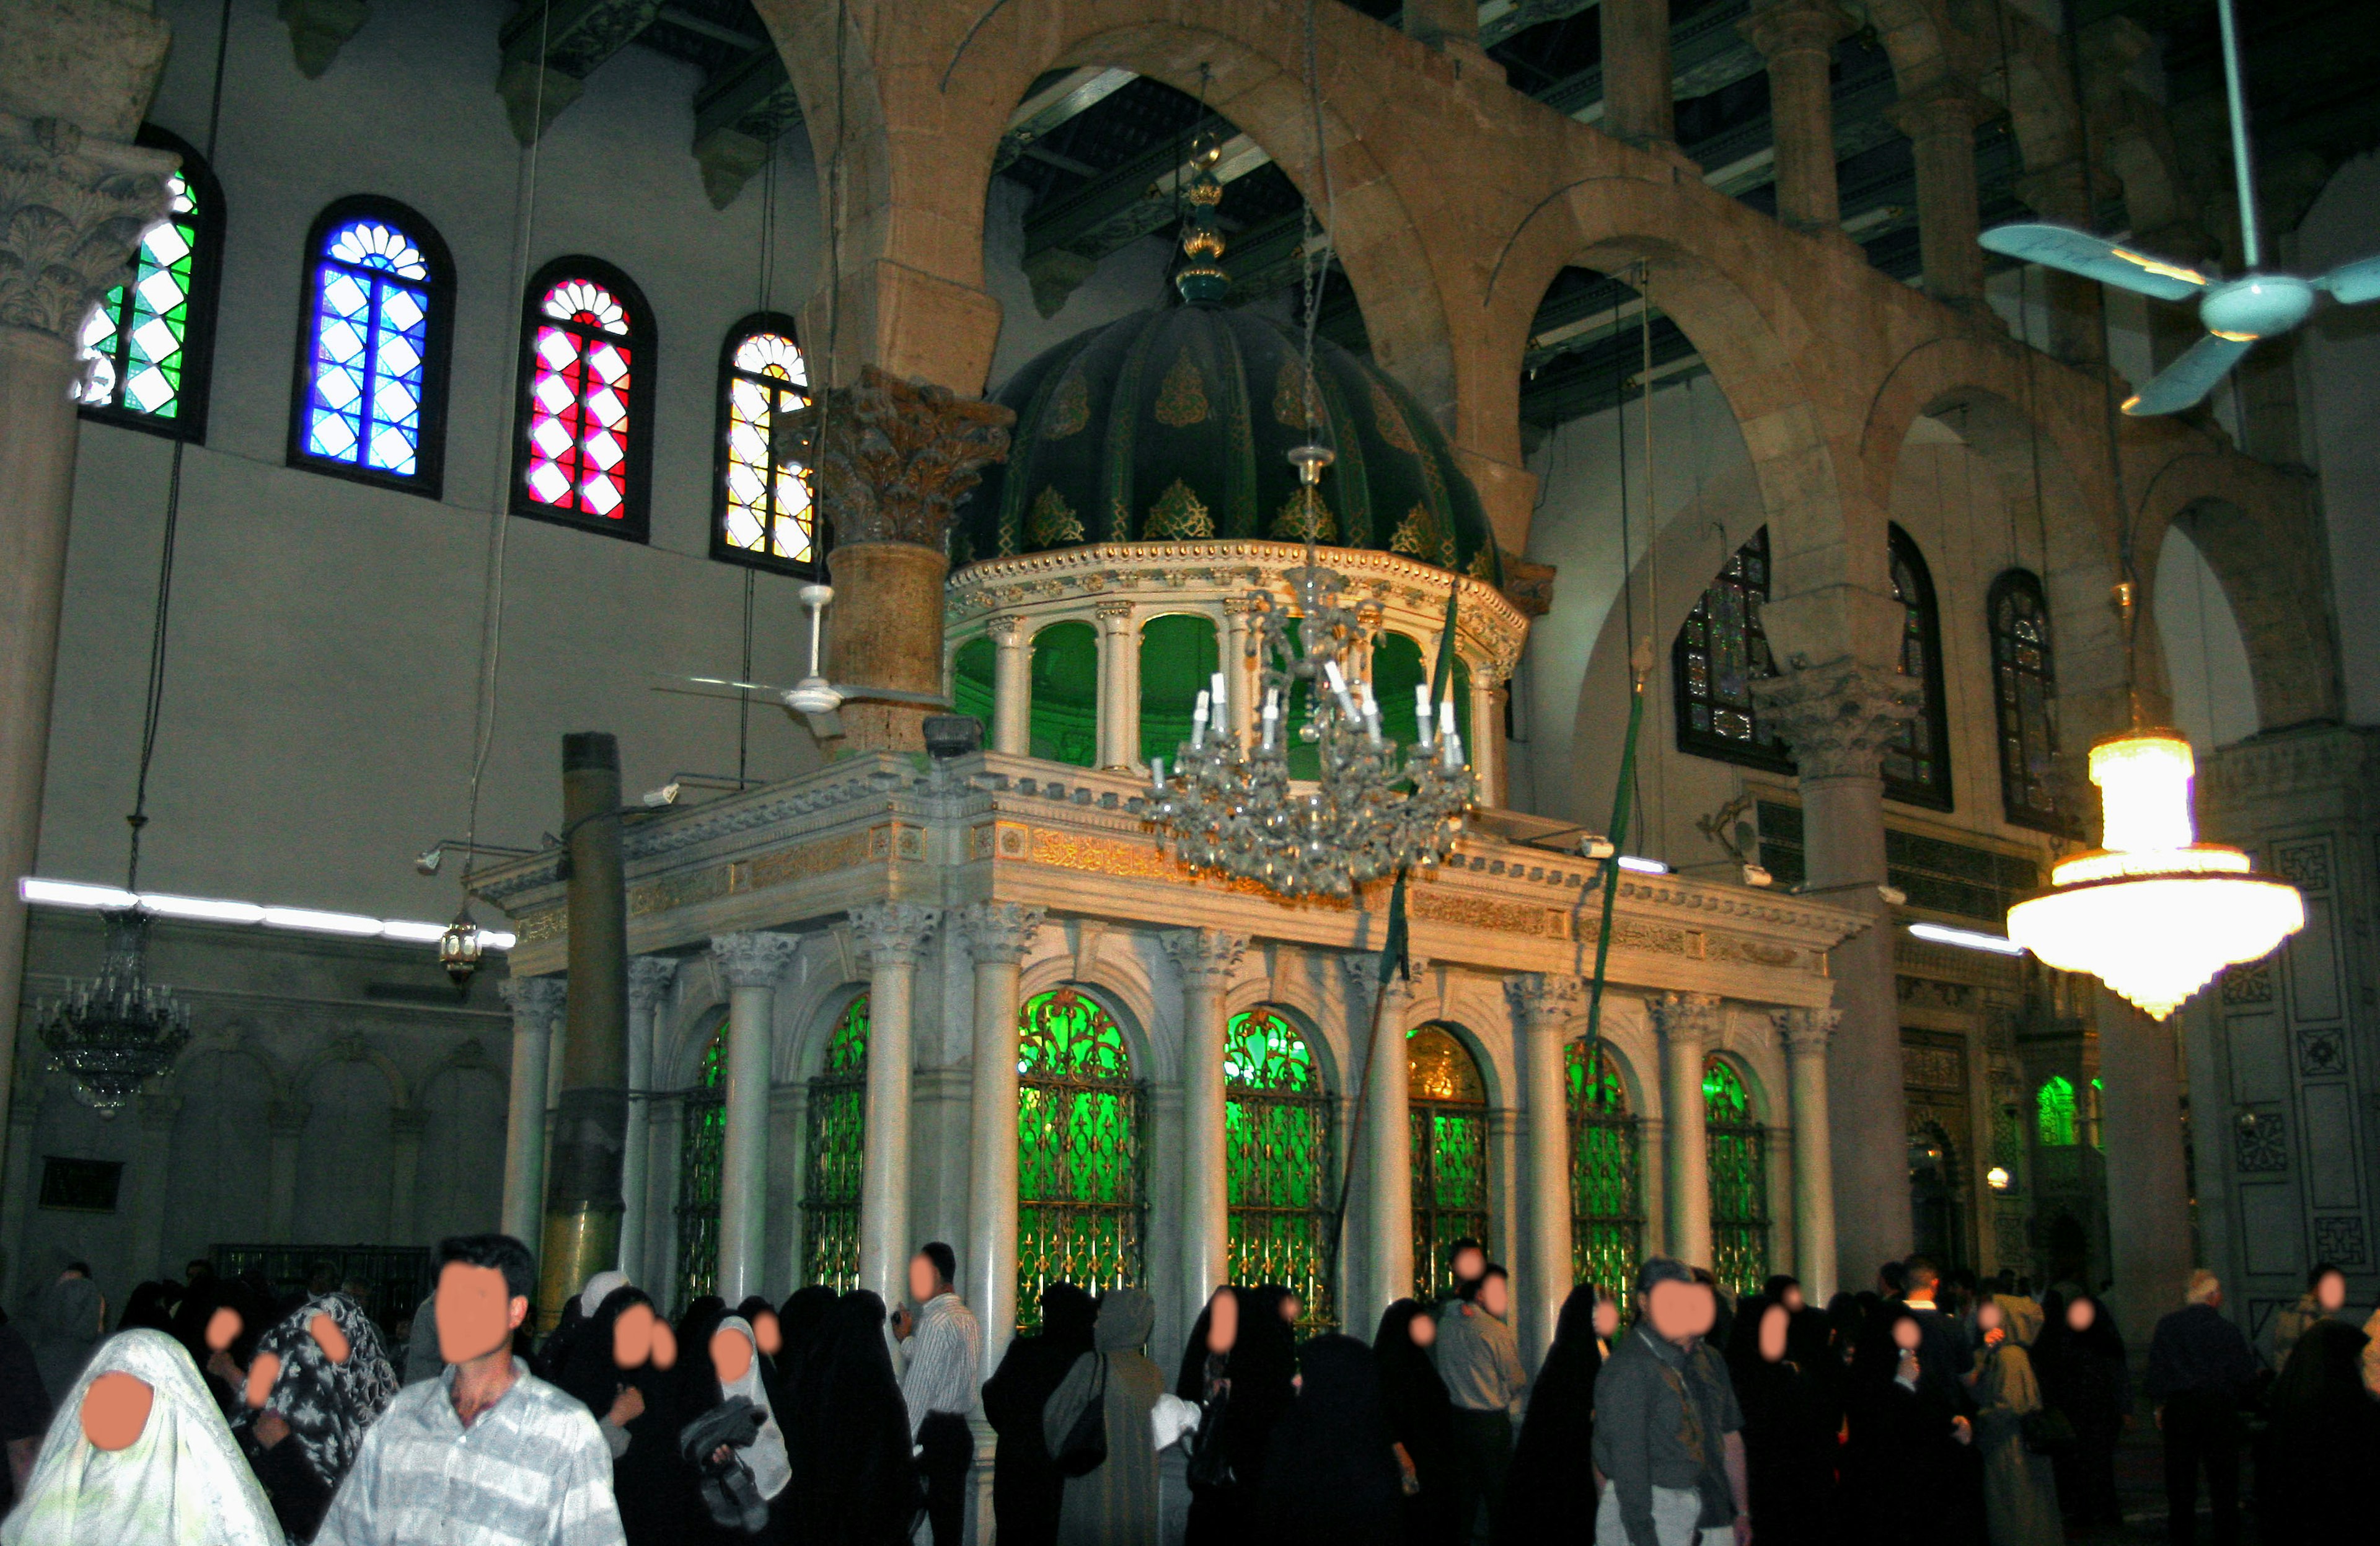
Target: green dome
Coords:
[[1173, 425]]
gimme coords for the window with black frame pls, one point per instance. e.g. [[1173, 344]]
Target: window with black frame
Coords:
[[1719, 653], [2024, 695], [1917, 760]]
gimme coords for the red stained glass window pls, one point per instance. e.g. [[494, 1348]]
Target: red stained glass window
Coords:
[[588, 352]]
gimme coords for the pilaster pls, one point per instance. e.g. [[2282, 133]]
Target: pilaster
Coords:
[[1206, 958], [651, 981], [1807, 1035], [537, 1004]]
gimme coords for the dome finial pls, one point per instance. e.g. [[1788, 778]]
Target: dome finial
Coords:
[[1202, 280]]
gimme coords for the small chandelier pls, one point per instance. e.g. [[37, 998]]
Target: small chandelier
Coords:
[[1234, 808], [2154, 914], [460, 947], [119, 1029]]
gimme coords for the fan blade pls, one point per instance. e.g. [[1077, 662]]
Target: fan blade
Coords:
[[895, 694], [2191, 377], [733, 685], [2354, 283], [827, 726], [2059, 246]]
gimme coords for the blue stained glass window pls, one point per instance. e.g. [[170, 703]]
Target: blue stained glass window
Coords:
[[371, 362]]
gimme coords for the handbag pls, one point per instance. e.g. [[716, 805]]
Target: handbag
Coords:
[[1210, 1459], [1086, 1446], [2047, 1431]]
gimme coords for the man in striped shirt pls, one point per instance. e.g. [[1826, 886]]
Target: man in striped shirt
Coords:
[[488, 1453], [938, 1383]]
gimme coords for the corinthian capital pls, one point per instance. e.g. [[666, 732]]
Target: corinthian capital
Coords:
[[998, 930], [1839, 717], [894, 934], [899, 455], [1686, 1019], [1806, 1033], [537, 1001], [1205, 957], [71, 212], [648, 980], [753, 959], [1544, 1002]]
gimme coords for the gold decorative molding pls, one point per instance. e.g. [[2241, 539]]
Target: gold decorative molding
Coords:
[[1486, 912]]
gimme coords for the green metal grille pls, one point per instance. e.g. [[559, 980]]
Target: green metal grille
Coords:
[[838, 1136], [1448, 1127], [1738, 1149], [1279, 1123], [1080, 1204], [702, 1145], [1607, 1197]]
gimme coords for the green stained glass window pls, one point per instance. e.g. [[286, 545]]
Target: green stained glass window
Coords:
[[701, 1147], [1738, 1149], [971, 681], [1448, 1117], [1606, 1199], [1397, 669], [144, 345], [838, 1128], [1284, 1184], [1081, 1206], [2054, 1111], [1177, 660], [1065, 718], [2091, 1114]]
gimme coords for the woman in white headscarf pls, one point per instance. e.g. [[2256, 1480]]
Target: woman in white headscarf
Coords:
[[179, 1480], [766, 1454]]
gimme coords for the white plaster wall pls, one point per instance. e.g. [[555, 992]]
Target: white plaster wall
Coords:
[[2339, 355]]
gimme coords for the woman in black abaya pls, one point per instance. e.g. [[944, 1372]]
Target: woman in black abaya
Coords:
[[1026, 1487], [646, 1476], [852, 1483], [2080, 1361], [1777, 1360], [1421, 1420], [2315, 1468], [1331, 1476], [1548, 1491], [1259, 1365]]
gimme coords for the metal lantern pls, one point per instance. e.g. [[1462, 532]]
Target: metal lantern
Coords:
[[459, 947]]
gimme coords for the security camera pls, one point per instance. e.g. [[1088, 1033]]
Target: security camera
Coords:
[[666, 795], [1756, 875], [1596, 848], [1893, 895], [428, 859]]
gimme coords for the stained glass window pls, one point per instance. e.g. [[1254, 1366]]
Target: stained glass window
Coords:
[[1720, 652], [764, 514], [1284, 1184], [2025, 691], [372, 362], [701, 1149], [1738, 1149], [1917, 759], [1080, 1194], [586, 352], [1448, 1130], [838, 1126], [2091, 1116], [1606, 1200], [147, 343], [2055, 1114]]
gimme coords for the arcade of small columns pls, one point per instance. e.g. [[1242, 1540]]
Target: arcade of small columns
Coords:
[[894, 938]]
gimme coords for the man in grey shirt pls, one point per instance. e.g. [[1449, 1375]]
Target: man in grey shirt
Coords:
[[1669, 1436], [1479, 1359]]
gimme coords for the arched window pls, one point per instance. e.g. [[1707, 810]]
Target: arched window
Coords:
[[1720, 652], [702, 1147], [1065, 709], [371, 359], [1738, 1149], [583, 455], [1606, 1200], [1283, 1182], [764, 514], [2024, 691], [1080, 1208], [1177, 660], [2054, 1114], [149, 342], [1449, 1131], [838, 1126], [1917, 760], [974, 666]]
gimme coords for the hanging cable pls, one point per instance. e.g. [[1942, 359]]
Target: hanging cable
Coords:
[[1657, 820]]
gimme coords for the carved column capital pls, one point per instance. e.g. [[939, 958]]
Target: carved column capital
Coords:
[[648, 980], [536, 1001], [1839, 717], [1205, 957], [749, 960], [998, 930], [1544, 1002], [1242, 605], [894, 934], [1938, 113], [1782, 27], [72, 210], [899, 455], [1806, 1033], [1008, 632], [1686, 1019]]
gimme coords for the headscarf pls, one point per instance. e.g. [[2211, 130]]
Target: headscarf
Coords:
[[327, 1404], [182, 1481], [598, 1289], [1329, 1473], [766, 1453], [1548, 1491], [1190, 1382], [653, 1490], [1262, 1364], [2023, 1319], [799, 1320], [854, 1481], [65, 1328], [146, 1310]]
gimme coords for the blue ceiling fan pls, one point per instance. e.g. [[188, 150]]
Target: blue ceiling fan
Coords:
[[2237, 311]]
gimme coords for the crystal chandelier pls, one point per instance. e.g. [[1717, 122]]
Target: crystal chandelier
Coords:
[[2154, 914], [119, 1029]]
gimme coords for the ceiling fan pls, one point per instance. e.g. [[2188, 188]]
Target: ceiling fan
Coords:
[[813, 697], [2237, 312]]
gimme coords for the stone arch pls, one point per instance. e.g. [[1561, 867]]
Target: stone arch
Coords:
[[1126, 999], [1639, 1076], [1759, 1084], [815, 1015], [218, 1174], [1920, 37], [696, 1024], [459, 1186], [1329, 1058], [355, 1049], [1494, 1080]]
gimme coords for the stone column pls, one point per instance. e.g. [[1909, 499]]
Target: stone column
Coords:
[[1837, 718], [1206, 958], [750, 965], [1797, 38], [1388, 1159], [72, 208], [1941, 130], [1807, 1033], [406, 1125], [1012, 687], [1239, 671], [15, 1200], [1487, 748], [650, 980], [2148, 1186], [1119, 734], [661, 1185], [1688, 1024], [997, 936], [286, 1122], [1545, 1006], [152, 1164], [1636, 77], [893, 935], [537, 1004]]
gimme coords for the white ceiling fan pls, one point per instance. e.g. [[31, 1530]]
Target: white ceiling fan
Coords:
[[2237, 312], [813, 697]]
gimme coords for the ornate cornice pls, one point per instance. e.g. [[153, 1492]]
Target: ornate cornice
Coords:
[[894, 934], [756, 960], [72, 210], [998, 930], [1206, 957], [1839, 717]]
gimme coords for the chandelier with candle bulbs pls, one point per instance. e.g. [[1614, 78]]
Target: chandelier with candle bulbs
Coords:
[[118, 1029]]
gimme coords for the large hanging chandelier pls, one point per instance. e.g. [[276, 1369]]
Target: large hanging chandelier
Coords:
[[2154, 914], [119, 1029]]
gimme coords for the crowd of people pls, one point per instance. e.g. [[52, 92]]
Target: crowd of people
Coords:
[[1946, 1411]]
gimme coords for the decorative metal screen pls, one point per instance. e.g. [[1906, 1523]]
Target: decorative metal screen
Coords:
[[838, 1134], [1080, 1204], [1449, 1127], [1917, 759], [1720, 652], [702, 1144], [1738, 1149], [1283, 1181], [1606, 1199], [2024, 689]]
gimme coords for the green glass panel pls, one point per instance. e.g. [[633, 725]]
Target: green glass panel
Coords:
[[1283, 1181], [2055, 1108], [1304, 756], [1065, 721], [135, 336], [1080, 1200], [1607, 1209], [702, 1145], [1177, 660], [1397, 669], [1736, 1147], [837, 1143], [1448, 1133], [971, 681]]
